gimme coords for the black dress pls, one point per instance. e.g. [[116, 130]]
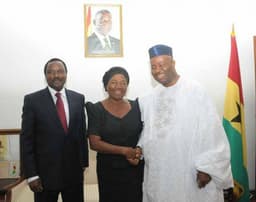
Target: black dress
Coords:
[[118, 180]]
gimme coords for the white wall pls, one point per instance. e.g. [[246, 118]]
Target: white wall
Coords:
[[199, 32]]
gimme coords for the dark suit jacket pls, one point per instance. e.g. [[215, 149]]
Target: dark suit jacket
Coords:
[[57, 158], [95, 47]]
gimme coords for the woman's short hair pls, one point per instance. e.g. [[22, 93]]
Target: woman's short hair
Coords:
[[113, 71]]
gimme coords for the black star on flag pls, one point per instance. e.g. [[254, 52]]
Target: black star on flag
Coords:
[[238, 117]]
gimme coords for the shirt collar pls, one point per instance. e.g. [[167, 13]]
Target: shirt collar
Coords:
[[53, 91]]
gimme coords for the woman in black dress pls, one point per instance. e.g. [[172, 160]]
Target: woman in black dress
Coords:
[[114, 130]]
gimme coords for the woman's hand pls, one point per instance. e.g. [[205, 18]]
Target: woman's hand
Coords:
[[134, 162], [136, 159], [129, 152]]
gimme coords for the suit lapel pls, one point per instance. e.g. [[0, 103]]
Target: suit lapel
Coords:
[[70, 100], [49, 103]]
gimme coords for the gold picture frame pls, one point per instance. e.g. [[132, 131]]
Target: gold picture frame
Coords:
[[103, 30], [10, 157]]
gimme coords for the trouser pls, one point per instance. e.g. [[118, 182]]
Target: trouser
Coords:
[[73, 193]]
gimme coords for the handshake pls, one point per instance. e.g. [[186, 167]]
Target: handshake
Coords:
[[133, 155]]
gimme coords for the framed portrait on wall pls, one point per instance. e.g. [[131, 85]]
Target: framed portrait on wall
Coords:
[[103, 30], [10, 153]]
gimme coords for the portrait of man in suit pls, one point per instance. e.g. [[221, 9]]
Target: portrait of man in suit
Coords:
[[100, 42], [54, 147]]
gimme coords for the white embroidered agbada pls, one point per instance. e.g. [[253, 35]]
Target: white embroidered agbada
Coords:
[[182, 134]]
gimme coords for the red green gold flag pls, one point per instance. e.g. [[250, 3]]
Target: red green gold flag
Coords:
[[233, 122]]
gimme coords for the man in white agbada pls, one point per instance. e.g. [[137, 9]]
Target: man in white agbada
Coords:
[[185, 148]]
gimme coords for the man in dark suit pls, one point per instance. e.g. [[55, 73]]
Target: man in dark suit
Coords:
[[100, 42], [54, 147]]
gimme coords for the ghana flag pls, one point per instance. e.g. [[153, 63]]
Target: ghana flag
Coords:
[[88, 21], [233, 122]]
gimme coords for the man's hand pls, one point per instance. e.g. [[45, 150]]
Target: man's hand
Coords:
[[138, 152], [36, 185], [202, 179]]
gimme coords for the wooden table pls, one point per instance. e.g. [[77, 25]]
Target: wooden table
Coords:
[[6, 185]]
